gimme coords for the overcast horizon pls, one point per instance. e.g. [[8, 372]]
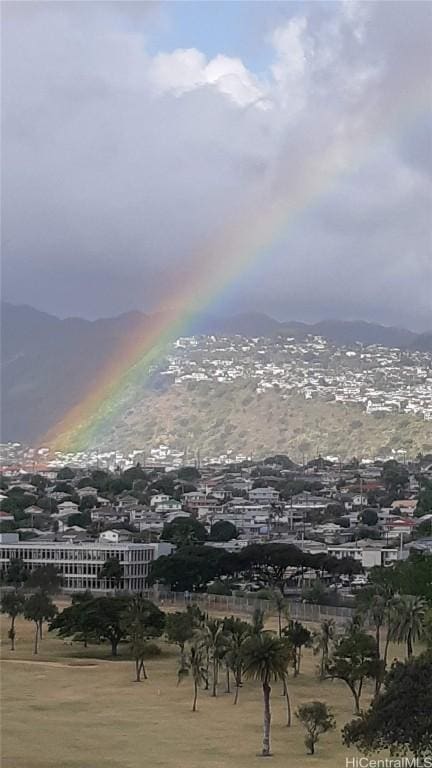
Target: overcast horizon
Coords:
[[134, 133]]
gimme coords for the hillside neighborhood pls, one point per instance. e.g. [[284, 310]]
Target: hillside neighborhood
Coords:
[[374, 377]]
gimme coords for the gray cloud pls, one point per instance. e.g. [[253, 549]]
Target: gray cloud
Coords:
[[120, 164]]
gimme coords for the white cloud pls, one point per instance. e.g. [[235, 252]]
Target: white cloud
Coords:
[[188, 69], [120, 163]]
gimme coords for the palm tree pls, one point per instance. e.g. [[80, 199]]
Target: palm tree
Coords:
[[236, 633], [409, 621], [13, 604], [193, 663], [322, 641], [258, 618], [280, 604], [214, 640], [265, 659], [297, 636]]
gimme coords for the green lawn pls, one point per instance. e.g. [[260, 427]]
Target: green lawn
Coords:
[[68, 708]]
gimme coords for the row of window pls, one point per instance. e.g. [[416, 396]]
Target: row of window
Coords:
[[88, 583], [9, 553]]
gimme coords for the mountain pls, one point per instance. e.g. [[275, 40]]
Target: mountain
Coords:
[[49, 364], [422, 342]]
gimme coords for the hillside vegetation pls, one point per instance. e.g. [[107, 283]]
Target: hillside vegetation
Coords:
[[214, 418]]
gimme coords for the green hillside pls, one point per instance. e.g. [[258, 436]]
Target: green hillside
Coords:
[[214, 418]]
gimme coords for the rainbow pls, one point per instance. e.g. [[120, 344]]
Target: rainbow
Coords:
[[210, 270]]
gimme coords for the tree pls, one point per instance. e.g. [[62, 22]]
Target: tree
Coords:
[[399, 718], [46, 578], [65, 474], [16, 502], [179, 629], [104, 620], [98, 619], [413, 576], [236, 633], [194, 663], [424, 504], [39, 608], [188, 473], [376, 604], [134, 473], [409, 621], [142, 620], [39, 482], [258, 620], [71, 621], [266, 659], [395, 477], [16, 573], [354, 659], [317, 718], [335, 511], [12, 603], [368, 516], [323, 641], [281, 605], [112, 571], [268, 563], [348, 566], [191, 568], [223, 530], [83, 519], [88, 502], [213, 640], [184, 531], [297, 636]]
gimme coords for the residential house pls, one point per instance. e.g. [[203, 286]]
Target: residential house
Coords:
[[265, 495], [66, 508], [88, 490]]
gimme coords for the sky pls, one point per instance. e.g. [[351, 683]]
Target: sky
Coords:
[[134, 134]]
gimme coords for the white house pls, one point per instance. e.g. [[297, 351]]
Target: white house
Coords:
[[66, 508], [264, 495], [367, 551], [88, 490], [159, 498], [171, 505]]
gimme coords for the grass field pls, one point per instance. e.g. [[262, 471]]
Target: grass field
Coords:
[[71, 708]]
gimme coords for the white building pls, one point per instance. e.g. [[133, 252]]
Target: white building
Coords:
[[66, 508], [264, 495], [80, 563], [367, 551]]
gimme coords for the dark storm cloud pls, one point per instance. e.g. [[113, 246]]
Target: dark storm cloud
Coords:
[[120, 164]]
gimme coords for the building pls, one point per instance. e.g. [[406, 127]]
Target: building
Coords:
[[407, 506], [80, 563], [367, 551], [264, 495], [66, 508]]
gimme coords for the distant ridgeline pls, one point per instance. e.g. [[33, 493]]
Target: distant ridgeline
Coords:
[[289, 391]]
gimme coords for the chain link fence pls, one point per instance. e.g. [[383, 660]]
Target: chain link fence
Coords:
[[233, 604]]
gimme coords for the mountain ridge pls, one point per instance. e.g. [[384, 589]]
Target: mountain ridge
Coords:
[[49, 363]]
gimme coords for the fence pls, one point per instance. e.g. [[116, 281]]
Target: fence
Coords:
[[235, 604]]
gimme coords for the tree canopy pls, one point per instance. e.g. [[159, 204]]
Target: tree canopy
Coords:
[[223, 530], [183, 531], [399, 719]]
